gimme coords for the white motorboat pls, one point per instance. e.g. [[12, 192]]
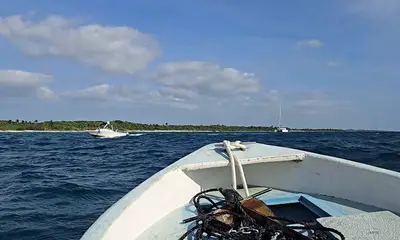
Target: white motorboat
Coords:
[[108, 132], [327, 196]]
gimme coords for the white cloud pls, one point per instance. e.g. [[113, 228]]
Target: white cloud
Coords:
[[376, 9], [203, 78], [101, 92], [113, 49], [306, 103], [332, 63], [310, 43], [310, 106], [124, 94], [46, 93], [17, 83], [94, 92], [166, 98], [179, 93], [18, 78], [186, 85], [265, 98], [272, 96], [312, 102], [177, 104]]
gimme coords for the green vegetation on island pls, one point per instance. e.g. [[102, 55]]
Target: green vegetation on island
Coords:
[[22, 125]]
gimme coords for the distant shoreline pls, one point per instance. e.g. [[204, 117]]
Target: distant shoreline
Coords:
[[85, 126], [150, 131], [72, 131]]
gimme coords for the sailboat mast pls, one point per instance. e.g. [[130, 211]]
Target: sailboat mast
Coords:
[[280, 114]]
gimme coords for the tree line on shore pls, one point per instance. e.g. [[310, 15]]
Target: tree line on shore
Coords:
[[21, 125]]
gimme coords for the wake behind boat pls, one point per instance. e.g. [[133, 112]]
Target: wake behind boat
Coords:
[[284, 194], [107, 131]]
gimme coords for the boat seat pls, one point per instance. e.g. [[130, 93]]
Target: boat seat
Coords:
[[365, 226]]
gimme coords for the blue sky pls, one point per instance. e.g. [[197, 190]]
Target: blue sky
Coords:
[[332, 64]]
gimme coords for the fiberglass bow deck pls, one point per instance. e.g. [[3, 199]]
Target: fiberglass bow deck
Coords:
[[309, 190]]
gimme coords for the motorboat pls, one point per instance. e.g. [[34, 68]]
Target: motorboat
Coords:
[[107, 131], [230, 190]]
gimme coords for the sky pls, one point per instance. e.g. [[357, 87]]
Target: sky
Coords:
[[329, 64]]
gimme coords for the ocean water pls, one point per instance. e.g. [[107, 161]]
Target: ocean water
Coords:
[[55, 185]]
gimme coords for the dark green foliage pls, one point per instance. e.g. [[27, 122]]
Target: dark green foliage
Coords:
[[131, 126]]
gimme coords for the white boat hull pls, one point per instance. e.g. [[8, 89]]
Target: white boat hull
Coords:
[[154, 209], [285, 131], [282, 129], [108, 134]]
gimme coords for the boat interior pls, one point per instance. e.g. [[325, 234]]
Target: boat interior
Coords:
[[353, 220], [358, 200]]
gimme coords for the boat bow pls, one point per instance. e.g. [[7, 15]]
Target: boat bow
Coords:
[[329, 186]]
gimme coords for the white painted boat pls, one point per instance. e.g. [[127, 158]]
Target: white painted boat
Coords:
[[358, 200], [107, 132], [280, 128]]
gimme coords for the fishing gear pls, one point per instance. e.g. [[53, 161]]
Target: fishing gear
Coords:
[[246, 219]]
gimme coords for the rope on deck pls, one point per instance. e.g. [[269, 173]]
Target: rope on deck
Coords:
[[229, 146]]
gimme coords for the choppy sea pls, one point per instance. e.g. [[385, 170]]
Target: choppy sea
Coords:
[[55, 185]]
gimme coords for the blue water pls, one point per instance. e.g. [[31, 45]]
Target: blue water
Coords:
[[55, 185]]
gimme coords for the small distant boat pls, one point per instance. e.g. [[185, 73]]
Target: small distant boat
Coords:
[[286, 194], [107, 131], [280, 128]]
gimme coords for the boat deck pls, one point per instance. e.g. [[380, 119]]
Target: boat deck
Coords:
[[212, 154], [302, 182], [327, 210]]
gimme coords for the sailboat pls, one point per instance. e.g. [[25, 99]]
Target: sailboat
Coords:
[[280, 128]]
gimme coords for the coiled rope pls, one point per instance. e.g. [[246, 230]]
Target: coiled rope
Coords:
[[208, 222]]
